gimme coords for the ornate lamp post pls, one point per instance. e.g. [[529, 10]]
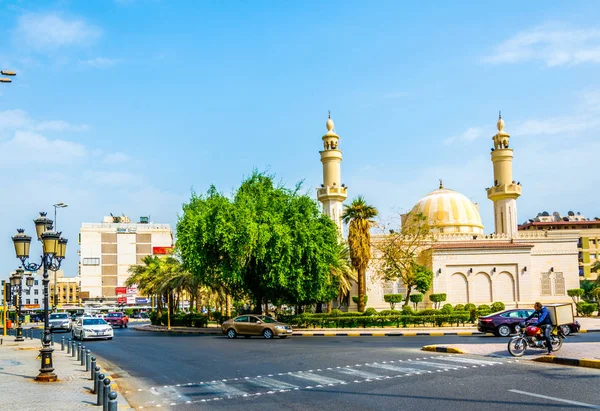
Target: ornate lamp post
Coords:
[[54, 248], [16, 282]]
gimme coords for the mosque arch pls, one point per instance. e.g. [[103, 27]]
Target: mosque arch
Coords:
[[458, 289], [504, 287], [481, 287]]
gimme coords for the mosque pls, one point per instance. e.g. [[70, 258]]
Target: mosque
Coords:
[[514, 267]]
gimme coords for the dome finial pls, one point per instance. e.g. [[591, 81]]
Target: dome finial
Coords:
[[500, 123], [329, 123], [441, 184]]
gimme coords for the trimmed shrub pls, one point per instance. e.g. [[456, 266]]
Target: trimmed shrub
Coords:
[[437, 299], [370, 311], [459, 307], [498, 307], [416, 299], [483, 307], [472, 309], [393, 299], [336, 313], [390, 312], [586, 309], [428, 311], [470, 306], [576, 294], [447, 309], [355, 299], [407, 310]]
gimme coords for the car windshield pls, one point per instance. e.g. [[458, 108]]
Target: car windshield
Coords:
[[93, 321], [114, 315], [266, 319], [59, 316]]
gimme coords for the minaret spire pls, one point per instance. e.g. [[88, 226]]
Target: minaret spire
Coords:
[[505, 191], [332, 192]]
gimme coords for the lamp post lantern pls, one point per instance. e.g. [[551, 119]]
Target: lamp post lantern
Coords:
[[16, 285], [54, 248]]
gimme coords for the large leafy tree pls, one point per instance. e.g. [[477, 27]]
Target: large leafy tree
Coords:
[[359, 216], [404, 255]]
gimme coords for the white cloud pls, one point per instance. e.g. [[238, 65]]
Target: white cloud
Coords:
[[116, 158], [555, 46], [50, 31], [34, 150], [471, 134], [98, 62], [60, 125], [11, 120]]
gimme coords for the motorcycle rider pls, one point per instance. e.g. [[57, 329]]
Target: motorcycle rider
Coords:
[[544, 322]]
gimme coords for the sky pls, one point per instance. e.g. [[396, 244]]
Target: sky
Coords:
[[126, 106]]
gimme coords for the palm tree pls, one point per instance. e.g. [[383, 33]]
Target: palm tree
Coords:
[[343, 273], [359, 215]]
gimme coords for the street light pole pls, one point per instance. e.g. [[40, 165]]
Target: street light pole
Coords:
[[54, 293], [54, 248]]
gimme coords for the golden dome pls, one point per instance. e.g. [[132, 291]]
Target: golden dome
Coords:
[[448, 211]]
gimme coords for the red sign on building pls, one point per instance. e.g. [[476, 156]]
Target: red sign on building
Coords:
[[162, 250], [121, 300], [120, 290]]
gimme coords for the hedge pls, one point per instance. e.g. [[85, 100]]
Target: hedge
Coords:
[[180, 320], [364, 321], [586, 309]]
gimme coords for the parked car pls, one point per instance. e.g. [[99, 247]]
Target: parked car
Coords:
[[570, 328], [249, 325], [91, 327], [115, 319], [59, 321], [503, 323]]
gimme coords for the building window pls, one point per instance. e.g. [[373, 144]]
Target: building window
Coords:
[[36, 291], [91, 261], [35, 282], [546, 284], [559, 284], [27, 292], [36, 301], [28, 301]]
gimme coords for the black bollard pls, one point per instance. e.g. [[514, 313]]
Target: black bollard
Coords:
[[73, 347], [78, 351], [62, 343], [82, 355], [87, 360], [106, 384], [100, 389], [69, 346], [112, 401], [93, 367], [96, 371]]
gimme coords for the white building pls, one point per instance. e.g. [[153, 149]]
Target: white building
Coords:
[[110, 248]]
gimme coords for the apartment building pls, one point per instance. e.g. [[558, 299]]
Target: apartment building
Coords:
[[108, 249], [589, 236]]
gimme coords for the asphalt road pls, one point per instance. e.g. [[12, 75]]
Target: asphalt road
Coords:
[[351, 373]]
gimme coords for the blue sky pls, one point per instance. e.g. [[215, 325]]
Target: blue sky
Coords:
[[125, 106]]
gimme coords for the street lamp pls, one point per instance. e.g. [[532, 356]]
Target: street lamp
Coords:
[[54, 248], [54, 293], [16, 282], [7, 73]]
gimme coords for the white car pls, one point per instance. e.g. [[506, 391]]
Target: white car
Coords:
[[59, 321], [91, 328]]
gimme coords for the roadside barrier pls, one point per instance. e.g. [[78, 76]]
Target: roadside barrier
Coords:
[[100, 389], [69, 346], [83, 353], [106, 384], [62, 343], [87, 360], [112, 401]]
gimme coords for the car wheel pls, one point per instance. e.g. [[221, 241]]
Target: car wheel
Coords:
[[231, 333], [566, 330], [504, 330], [268, 334]]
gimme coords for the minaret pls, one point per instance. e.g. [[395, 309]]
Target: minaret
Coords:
[[505, 191], [332, 192]]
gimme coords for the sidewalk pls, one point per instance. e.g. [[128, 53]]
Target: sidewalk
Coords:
[[588, 324], [19, 367]]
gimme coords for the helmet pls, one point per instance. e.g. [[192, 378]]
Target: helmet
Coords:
[[533, 330]]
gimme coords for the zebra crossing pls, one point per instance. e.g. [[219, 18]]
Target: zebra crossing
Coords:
[[282, 382]]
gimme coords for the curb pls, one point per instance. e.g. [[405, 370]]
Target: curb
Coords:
[[576, 362], [435, 348]]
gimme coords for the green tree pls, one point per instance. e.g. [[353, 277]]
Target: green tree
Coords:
[[416, 299], [343, 273], [437, 299], [404, 255], [575, 294], [393, 299], [359, 216]]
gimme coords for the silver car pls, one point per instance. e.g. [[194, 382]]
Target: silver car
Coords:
[[59, 321], [90, 327]]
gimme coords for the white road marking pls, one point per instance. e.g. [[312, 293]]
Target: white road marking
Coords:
[[220, 388], [319, 379], [437, 365], [467, 360], [359, 373], [395, 368], [273, 384], [581, 404]]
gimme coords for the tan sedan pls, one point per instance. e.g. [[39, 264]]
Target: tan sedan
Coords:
[[249, 325]]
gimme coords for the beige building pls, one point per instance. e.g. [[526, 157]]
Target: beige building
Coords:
[[589, 236], [67, 289], [509, 266], [110, 248]]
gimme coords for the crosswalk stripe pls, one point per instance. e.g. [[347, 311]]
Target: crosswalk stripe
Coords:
[[219, 388], [435, 364], [272, 384], [319, 379], [395, 368], [358, 373]]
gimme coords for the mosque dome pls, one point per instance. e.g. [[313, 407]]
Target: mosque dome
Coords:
[[448, 211]]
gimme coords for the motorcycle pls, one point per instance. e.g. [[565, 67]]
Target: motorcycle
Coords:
[[533, 337]]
